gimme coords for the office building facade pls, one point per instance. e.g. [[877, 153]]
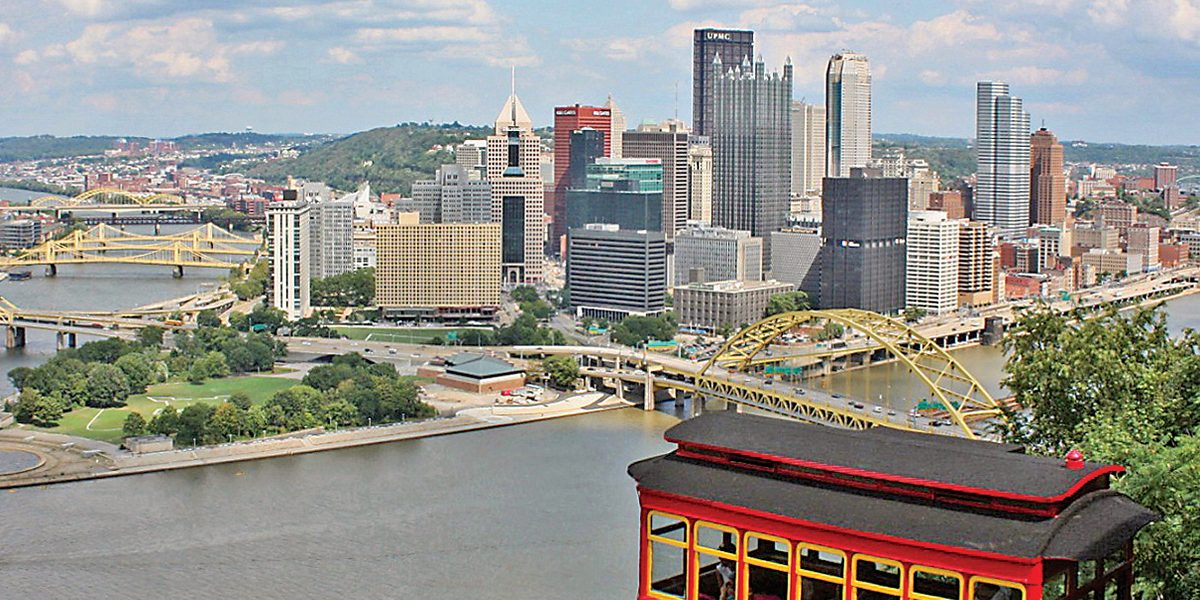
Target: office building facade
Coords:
[[452, 196], [669, 144], [437, 271], [288, 241], [751, 139], [931, 263], [725, 303], [18, 234], [567, 121], [808, 148], [847, 113], [976, 264], [796, 256], [700, 180], [709, 253], [331, 224], [613, 273], [518, 194], [1047, 182], [864, 221], [733, 46], [627, 192], [1001, 196]]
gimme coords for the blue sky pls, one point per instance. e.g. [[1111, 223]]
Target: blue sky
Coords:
[[1102, 70]]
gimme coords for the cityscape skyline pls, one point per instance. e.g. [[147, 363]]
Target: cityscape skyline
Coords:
[[158, 69]]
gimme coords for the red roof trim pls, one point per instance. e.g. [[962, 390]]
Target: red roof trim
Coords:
[[1110, 469]]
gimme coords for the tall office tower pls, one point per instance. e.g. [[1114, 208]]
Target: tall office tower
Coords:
[[1165, 176], [1047, 183], [441, 271], [514, 172], [331, 225], [847, 113], [627, 192], [1143, 241], [1001, 197], [700, 180], [975, 264], [717, 254], [587, 146], [667, 143], [472, 156], [287, 234], [752, 148], [567, 120], [864, 221], [931, 263], [733, 47], [614, 273], [808, 148], [452, 196], [796, 255], [616, 128]]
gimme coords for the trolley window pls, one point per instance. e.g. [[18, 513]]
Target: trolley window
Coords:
[[822, 572], [927, 583], [768, 561], [716, 559], [877, 578], [983, 588], [668, 550]]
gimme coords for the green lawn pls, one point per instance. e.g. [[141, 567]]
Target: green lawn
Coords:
[[399, 335], [107, 426]]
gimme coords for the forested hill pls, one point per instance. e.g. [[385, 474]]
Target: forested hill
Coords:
[[40, 147]]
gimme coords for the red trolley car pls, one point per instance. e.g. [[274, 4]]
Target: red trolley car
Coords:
[[756, 508]]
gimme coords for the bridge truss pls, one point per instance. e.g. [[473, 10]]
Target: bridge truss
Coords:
[[964, 398], [110, 195], [207, 246]]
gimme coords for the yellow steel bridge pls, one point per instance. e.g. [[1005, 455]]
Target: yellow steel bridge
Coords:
[[106, 196]]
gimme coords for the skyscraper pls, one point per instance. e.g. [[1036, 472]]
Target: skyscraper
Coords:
[[616, 128], [751, 138], [808, 148], [1047, 183], [627, 192], [932, 264], [700, 180], [288, 246], [514, 172], [452, 196], [733, 47], [613, 273], [668, 143], [567, 120], [331, 224], [1001, 197], [848, 113], [864, 222]]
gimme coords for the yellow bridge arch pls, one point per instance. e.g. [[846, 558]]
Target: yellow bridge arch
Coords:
[[964, 398], [121, 197]]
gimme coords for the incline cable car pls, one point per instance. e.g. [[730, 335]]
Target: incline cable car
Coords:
[[757, 508]]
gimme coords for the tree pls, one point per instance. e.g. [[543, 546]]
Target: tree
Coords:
[[540, 309], [831, 331], [166, 422], [151, 336], [227, 422], [138, 371], [194, 424], [562, 370], [327, 377], [353, 288], [635, 330], [37, 409], [524, 293], [912, 314], [211, 364], [208, 318], [135, 425], [107, 386], [240, 399], [787, 302]]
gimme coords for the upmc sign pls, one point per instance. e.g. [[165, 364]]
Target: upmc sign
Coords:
[[723, 36]]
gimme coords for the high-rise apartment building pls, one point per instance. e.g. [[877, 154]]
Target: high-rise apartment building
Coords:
[[514, 172], [733, 47], [669, 144], [627, 192], [1001, 197], [568, 120], [1165, 176], [331, 224], [751, 138], [705, 253], [847, 113], [614, 273], [288, 246], [864, 221], [700, 180], [976, 264], [808, 148], [452, 196], [932, 262], [440, 271], [1047, 182]]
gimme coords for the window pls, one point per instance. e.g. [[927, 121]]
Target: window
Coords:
[[768, 567], [668, 543], [983, 588], [927, 583], [877, 578], [716, 558], [822, 573]]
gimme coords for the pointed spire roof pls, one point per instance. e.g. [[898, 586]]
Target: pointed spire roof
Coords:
[[513, 113]]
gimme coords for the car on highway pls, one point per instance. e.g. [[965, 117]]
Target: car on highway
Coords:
[[838, 396]]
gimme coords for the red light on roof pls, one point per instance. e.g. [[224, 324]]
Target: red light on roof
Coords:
[[1075, 460]]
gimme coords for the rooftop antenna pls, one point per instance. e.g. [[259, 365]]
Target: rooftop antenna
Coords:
[[676, 100], [514, 95]]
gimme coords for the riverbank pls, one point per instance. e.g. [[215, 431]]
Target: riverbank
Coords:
[[66, 459]]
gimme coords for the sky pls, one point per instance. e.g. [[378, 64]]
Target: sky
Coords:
[[1100, 70]]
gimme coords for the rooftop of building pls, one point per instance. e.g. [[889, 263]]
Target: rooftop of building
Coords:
[[479, 366], [736, 285]]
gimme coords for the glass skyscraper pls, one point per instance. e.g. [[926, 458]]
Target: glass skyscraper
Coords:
[[1002, 147]]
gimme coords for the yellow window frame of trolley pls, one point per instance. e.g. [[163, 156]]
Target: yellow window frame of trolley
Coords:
[[898, 592], [651, 538], [805, 573], [912, 582], [707, 551], [748, 561], [1000, 582]]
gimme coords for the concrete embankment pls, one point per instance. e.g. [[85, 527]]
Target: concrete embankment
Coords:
[[124, 463]]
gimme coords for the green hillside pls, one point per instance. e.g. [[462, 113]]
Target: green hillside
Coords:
[[391, 158]]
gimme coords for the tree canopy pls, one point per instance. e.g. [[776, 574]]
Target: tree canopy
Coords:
[[634, 330], [352, 288], [787, 302]]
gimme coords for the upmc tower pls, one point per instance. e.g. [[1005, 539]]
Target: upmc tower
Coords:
[[734, 47]]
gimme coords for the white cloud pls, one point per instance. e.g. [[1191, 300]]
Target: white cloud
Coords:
[[932, 77], [87, 8], [1035, 75], [6, 33], [343, 56], [26, 57], [688, 5]]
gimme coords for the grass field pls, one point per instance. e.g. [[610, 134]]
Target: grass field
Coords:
[[399, 335], [107, 426]]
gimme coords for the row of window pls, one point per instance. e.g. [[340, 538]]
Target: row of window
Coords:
[[722, 563]]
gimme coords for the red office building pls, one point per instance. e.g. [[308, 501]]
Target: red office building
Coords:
[[568, 119]]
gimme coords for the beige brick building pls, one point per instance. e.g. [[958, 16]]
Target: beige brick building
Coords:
[[733, 303], [437, 270]]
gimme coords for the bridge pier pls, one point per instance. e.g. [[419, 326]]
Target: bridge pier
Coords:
[[178, 272], [51, 270], [648, 391], [14, 337], [64, 339]]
